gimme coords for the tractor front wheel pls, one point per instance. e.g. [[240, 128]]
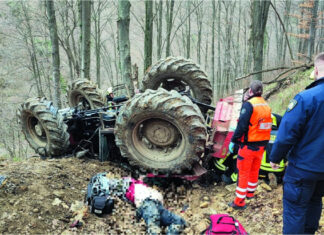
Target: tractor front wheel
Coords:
[[182, 75], [85, 93], [43, 127], [160, 131]]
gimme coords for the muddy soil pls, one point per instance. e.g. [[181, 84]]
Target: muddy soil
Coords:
[[46, 196]]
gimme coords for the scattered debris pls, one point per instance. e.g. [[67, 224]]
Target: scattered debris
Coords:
[[204, 204], [76, 206], [2, 180], [266, 187], [37, 184], [36, 210], [272, 180], [56, 202], [201, 226], [231, 187]]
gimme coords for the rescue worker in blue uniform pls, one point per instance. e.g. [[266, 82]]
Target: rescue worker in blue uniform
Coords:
[[301, 136]]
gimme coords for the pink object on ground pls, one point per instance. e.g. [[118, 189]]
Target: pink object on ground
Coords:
[[130, 193], [224, 224]]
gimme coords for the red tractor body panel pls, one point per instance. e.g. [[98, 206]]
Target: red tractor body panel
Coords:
[[224, 123]]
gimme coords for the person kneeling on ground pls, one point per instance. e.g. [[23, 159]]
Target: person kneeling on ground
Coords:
[[148, 202]]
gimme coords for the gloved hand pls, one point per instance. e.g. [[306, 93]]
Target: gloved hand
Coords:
[[274, 166], [231, 147]]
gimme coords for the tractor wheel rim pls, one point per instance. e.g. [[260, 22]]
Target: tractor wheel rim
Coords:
[[158, 140], [160, 133], [36, 130], [179, 85]]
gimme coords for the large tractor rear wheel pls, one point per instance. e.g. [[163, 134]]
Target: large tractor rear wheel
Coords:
[[86, 93], [160, 131], [43, 127], [176, 73]]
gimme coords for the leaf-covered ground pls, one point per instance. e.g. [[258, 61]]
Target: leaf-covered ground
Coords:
[[46, 196]]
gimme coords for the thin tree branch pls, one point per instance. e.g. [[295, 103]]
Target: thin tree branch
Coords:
[[185, 19], [284, 29], [262, 71], [272, 69], [284, 72]]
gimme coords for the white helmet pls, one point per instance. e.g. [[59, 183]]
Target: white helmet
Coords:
[[110, 90]]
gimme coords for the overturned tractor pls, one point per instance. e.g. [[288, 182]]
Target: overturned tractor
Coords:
[[163, 129]]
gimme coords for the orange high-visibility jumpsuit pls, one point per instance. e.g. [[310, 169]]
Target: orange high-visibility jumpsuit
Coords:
[[251, 149]]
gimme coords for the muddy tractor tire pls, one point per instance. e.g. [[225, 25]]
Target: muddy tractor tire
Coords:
[[43, 127], [179, 74], [160, 131], [87, 93]]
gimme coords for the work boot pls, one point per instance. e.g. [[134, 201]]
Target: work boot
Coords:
[[249, 195], [272, 180], [236, 207], [226, 179], [238, 203]]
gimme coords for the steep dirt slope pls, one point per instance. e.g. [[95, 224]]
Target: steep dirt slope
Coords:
[[40, 196]]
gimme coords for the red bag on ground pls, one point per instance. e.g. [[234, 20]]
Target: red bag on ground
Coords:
[[224, 224]]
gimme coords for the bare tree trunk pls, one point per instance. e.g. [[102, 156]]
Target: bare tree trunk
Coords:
[[85, 42], [116, 59], [247, 52], [32, 52], [213, 45], [107, 65], [278, 39], [97, 38], [98, 8], [228, 68], [238, 48], [69, 25], [219, 65], [169, 19], [206, 51], [199, 16], [55, 52], [312, 32], [124, 44], [305, 31], [321, 38], [79, 46], [188, 30], [301, 31], [159, 30], [259, 13], [286, 23], [148, 34]]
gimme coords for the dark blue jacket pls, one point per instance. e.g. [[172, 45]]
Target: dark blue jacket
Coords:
[[301, 132]]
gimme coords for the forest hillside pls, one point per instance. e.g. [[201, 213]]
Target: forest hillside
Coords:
[[47, 195], [135, 81]]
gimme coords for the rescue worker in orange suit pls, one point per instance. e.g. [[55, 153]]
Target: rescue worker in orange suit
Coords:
[[301, 136], [226, 167], [252, 134]]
